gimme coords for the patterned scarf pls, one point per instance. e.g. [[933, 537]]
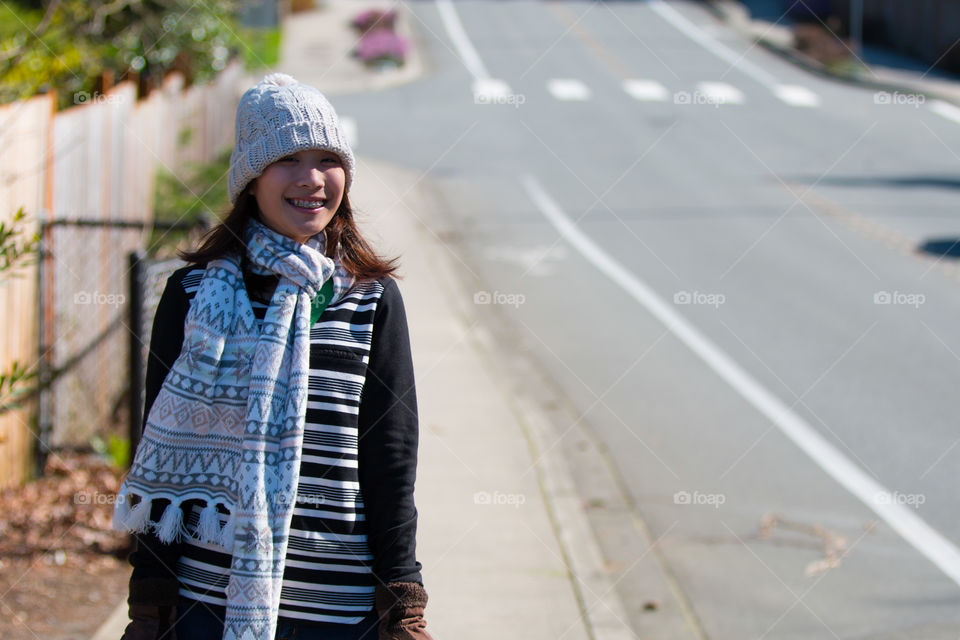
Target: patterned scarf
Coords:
[[227, 425]]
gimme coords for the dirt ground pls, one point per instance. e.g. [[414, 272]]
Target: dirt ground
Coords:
[[62, 568]]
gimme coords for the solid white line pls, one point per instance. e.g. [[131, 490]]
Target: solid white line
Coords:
[[468, 54], [788, 93], [924, 538], [568, 89], [709, 43], [945, 109]]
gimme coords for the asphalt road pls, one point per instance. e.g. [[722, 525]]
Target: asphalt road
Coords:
[[724, 281]]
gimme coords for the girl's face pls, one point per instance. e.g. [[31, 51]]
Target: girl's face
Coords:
[[299, 194]]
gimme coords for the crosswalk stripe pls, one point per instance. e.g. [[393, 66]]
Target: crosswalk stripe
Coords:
[[646, 90], [797, 96], [721, 93], [568, 89], [486, 88]]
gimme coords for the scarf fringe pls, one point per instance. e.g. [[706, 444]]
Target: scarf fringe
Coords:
[[170, 527]]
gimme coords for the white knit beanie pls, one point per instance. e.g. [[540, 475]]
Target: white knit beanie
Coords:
[[280, 116]]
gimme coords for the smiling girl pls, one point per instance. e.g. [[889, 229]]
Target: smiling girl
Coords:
[[272, 490]]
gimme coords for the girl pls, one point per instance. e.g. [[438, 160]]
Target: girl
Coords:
[[272, 491]]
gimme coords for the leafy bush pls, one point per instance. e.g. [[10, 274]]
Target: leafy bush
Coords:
[[70, 44]]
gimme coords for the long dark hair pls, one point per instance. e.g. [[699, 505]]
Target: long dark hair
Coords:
[[356, 255]]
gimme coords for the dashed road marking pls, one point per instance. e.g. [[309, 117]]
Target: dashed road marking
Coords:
[[646, 90], [797, 96], [569, 89], [721, 93]]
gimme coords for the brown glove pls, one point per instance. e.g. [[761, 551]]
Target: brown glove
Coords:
[[400, 608], [150, 622]]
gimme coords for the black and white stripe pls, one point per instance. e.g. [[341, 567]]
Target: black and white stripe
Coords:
[[327, 575]]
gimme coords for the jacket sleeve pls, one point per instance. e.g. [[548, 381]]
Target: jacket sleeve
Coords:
[[389, 432], [154, 578]]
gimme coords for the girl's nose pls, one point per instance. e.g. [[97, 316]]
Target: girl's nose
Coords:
[[312, 176]]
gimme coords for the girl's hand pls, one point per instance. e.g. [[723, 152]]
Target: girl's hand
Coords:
[[150, 622], [400, 608]]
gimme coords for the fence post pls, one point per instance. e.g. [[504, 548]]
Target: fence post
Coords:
[[136, 259], [47, 339]]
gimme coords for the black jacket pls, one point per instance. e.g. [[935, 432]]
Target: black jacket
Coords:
[[388, 440]]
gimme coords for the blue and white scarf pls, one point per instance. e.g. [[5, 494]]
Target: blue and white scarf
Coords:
[[227, 425]]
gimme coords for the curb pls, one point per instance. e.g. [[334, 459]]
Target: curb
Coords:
[[728, 10]]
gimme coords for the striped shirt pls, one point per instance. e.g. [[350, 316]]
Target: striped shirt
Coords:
[[333, 562]]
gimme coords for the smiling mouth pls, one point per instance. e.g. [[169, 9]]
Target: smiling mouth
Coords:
[[309, 204]]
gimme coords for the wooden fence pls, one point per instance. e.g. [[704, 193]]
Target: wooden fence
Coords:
[[25, 138], [96, 163]]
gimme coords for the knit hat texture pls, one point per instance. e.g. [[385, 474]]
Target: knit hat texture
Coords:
[[280, 116]]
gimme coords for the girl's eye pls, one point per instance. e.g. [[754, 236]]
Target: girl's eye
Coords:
[[288, 159], [332, 160]]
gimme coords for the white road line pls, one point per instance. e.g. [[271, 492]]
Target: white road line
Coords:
[[646, 90], [483, 85], [568, 89], [721, 93], [486, 88], [797, 96], [711, 44], [945, 109], [924, 538], [349, 126]]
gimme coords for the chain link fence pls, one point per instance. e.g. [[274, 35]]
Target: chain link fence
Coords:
[[99, 295]]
